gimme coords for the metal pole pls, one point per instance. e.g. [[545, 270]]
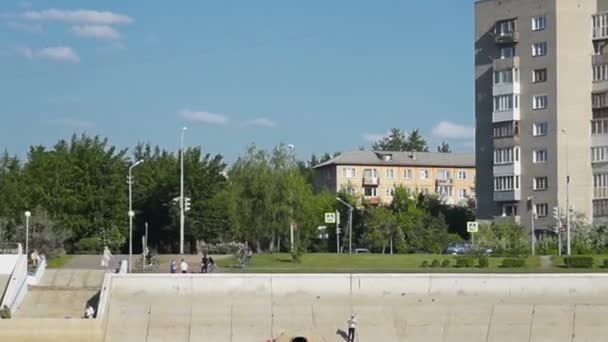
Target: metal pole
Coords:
[[337, 232], [130, 181], [567, 198], [533, 229], [146, 240], [350, 230], [181, 195], [291, 236], [27, 233]]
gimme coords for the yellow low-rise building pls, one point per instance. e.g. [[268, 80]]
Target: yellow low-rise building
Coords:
[[374, 175]]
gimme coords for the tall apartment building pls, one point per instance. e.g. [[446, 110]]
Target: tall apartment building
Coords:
[[374, 175], [541, 97]]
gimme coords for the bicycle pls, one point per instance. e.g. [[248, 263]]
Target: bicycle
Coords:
[[152, 263]]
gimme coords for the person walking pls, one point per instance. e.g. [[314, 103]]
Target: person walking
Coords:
[[173, 266], [211, 265], [35, 258], [106, 256], [352, 327], [183, 266], [205, 264]]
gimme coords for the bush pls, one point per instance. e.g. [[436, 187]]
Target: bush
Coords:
[[605, 264], [484, 262], [220, 248], [445, 263], [424, 264], [465, 262], [513, 262], [435, 263], [91, 245], [578, 262]]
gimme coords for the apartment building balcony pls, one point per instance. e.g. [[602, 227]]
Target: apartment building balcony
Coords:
[[506, 115], [507, 169], [599, 99], [505, 63], [444, 182], [599, 132], [600, 193], [371, 181], [599, 59], [506, 38], [507, 196], [506, 88]]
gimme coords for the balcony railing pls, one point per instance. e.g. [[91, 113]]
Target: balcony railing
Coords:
[[371, 181], [511, 37], [444, 182], [507, 196], [600, 193], [599, 100], [599, 59], [505, 63]]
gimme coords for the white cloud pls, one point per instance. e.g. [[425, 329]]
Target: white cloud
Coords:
[[96, 31], [57, 53], [450, 130], [70, 123], [260, 122], [79, 16], [373, 137], [204, 116], [31, 28]]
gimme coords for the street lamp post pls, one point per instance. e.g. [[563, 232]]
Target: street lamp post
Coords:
[[27, 231], [567, 197], [291, 148], [131, 213], [181, 194], [350, 224], [532, 228]]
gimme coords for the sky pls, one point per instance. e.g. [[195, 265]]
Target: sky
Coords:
[[322, 75]]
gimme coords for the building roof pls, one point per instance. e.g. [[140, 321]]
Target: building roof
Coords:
[[400, 158]]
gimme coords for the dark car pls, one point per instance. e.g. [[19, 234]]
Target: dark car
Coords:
[[457, 248]]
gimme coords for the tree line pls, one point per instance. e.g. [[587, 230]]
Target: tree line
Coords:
[[77, 193]]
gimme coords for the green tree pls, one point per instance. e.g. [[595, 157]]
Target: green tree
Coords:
[[444, 148], [397, 140]]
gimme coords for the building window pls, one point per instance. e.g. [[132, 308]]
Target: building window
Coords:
[[540, 183], [600, 185], [599, 154], [444, 191], [504, 27], [506, 155], [407, 174], [390, 192], [599, 126], [539, 101], [507, 52], [541, 209], [539, 23], [349, 172], [539, 156], [444, 174], [506, 183], [600, 72], [600, 25], [462, 174], [370, 173], [506, 102], [506, 76], [370, 192], [539, 75], [424, 174], [509, 210], [539, 49], [390, 173], [505, 129], [539, 129], [462, 193]]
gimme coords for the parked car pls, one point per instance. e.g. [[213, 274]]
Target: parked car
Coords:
[[457, 248], [361, 251]]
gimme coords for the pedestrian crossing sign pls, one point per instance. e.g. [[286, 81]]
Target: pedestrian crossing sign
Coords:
[[330, 217], [472, 227]]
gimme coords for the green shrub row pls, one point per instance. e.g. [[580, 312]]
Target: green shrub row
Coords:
[[579, 262], [513, 262], [461, 262], [435, 263]]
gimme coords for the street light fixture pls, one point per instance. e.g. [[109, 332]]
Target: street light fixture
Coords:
[[350, 224], [131, 213], [182, 218], [27, 231], [567, 197]]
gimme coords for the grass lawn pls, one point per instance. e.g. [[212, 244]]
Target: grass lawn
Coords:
[[365, 263], [58, 261]]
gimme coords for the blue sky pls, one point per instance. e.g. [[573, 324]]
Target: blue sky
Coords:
[[322, 75]]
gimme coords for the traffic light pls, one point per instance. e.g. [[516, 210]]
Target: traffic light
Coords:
[[187, 204], [556, 213]]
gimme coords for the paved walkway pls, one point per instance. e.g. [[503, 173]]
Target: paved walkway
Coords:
[[93, 262]]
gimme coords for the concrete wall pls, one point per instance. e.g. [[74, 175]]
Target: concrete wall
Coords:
[[17, 284], [7, 263]]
